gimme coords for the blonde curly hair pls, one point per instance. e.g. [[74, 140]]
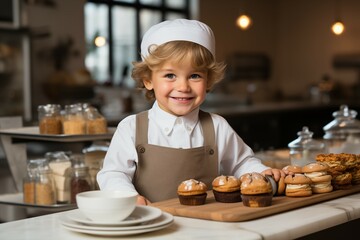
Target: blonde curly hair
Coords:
[[176, 51]]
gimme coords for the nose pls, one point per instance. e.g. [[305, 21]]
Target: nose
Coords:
[[182, 85]]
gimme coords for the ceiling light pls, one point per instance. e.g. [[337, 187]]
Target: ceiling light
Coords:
[[338, 27], [100, 41], [243, 22]]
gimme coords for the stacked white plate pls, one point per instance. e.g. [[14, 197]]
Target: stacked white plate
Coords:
[[143, 219]]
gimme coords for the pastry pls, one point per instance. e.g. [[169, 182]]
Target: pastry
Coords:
[[298, 185], [226, 189], [192, 192], [340, 166], [335, 162], [318, 173], [350, 161], [293, 168], [355, 176], [342, 181], [256, 190]]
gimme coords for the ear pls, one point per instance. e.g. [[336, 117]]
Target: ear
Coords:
[[148, 84]]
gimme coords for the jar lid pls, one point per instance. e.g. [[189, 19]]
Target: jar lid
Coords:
[[49, 108], [92, 113], [33, 166], [36, 166], [77, 161], [58, 156], [344, 124], [74, 108], [305, 141]]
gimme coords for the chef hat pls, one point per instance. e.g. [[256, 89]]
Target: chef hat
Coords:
[[178, 30]]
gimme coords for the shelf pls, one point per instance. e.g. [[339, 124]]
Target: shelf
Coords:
[[16, 199], [14, 138], [32, 133]]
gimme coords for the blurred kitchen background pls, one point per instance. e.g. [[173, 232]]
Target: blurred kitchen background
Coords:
[[286, 71]]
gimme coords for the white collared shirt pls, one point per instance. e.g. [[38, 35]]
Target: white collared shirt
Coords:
[[167, 130]]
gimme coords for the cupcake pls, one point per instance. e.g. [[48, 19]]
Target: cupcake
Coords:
[[226, 189], [256, 190], [192, 192]]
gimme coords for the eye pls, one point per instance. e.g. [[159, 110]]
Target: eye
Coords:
[[170, 76], [195, 76]]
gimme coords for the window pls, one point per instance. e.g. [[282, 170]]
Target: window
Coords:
[[113, 31]]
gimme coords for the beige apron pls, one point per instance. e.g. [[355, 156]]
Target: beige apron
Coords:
[[161, 169]]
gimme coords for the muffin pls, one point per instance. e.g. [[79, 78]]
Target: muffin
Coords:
[[298, 185], [321, 179], [192, 192], [226, 189], [256, 190]]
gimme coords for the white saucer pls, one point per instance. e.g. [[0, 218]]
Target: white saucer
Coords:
[[141, 214], [164, 221]]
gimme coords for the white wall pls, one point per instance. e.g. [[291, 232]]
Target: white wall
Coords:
[[295, 34]]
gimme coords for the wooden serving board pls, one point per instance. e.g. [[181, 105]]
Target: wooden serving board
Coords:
[[237, 212]]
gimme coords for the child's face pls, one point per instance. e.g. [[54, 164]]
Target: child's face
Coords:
[[178, 87]]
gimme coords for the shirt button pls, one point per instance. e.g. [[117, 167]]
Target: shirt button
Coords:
[[166, 129], [178, 121], [188, 128]]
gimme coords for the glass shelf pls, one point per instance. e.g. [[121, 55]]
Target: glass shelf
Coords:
[[16, 199], [32, 133]]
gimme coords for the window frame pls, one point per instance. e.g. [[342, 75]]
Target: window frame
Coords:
[[138, 7]]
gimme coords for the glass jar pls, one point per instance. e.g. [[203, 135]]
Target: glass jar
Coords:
[[95, 122], [342, 135], [80, 177], [49, 119], [304, 149], [29, 181], [74, 121], [45, 193], [60, 165], [93, 158]]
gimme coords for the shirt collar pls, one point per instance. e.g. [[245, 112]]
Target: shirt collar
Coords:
[[167, 121]]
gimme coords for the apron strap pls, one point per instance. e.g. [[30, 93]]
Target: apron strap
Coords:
[[207, 123], [141, 128]]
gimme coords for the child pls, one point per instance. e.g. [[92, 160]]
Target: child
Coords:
[[154, 151]]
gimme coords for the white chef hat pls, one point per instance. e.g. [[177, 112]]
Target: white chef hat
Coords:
[[178, 30]]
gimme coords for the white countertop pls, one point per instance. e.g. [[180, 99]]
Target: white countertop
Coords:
[[287, 225]]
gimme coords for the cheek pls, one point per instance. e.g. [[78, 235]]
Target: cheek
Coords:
[[203, 88], [162, 87]]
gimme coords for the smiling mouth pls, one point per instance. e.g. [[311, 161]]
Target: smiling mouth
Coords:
[[182, 99]]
